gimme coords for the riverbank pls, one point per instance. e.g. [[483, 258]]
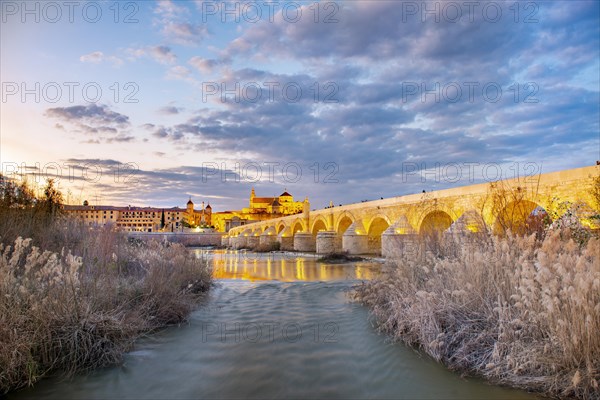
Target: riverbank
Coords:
[[516, 310], [59, 314], [188, 239], [75, 297]]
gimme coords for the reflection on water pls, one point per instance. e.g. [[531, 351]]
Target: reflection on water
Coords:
[[284, 267]]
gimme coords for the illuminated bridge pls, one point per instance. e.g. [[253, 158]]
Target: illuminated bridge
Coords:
[[373, 227]]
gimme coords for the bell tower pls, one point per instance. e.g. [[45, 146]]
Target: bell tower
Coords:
[[252, 196]]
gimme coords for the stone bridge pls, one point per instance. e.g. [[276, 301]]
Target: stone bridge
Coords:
[[373, 227]]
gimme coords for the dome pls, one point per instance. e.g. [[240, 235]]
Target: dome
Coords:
[[209, 207], [190, 202]]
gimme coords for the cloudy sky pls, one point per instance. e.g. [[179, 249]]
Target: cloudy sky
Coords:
[[149, 103]]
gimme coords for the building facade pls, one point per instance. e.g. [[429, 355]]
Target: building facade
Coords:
[[143, 219]]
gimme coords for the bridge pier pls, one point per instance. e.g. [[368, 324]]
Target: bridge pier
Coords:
[[268, 237], [355, 244], [398, 239], [253, 240], [470, 222], [355, 240], [328, 242], [225, 241], [286, 240], [305, 241], [394, 245], [239, 242], [468, 230], [374, 244]]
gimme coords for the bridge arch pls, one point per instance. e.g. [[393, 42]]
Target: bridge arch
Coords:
[[469, 221], [377, 220], [280, 227], [246, 232], [375, 229], [520, 217], [274, 226], [319, 224], [344, 220], [298, 226], [436, 221]]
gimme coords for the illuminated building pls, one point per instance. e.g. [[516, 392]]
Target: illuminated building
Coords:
[[143, 219], [259, 209]]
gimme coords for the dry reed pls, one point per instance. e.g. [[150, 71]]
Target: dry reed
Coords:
[[516, 310], [82, 308]]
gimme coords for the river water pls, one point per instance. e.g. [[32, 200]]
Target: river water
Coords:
[[274, 326]]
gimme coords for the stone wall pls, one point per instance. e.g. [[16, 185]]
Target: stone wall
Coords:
[[304, 242], [187, 239]]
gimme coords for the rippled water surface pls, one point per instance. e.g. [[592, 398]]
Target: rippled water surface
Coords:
[[274, 327]]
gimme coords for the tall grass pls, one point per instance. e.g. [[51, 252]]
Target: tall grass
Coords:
[[81, 304], [516, 310]]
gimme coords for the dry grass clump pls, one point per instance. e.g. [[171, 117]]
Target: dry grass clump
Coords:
[[72, 313], [515, 310]]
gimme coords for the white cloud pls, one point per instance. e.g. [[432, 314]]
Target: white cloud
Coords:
[[184, 33], [179, 72], [97, 57], [169, 9], [160, 54], [176, 26], [204, 65]]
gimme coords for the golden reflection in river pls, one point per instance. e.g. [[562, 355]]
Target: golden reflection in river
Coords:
[[228, 264]]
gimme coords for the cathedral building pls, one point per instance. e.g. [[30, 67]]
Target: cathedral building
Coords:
[[259, 209], [197, 218]]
